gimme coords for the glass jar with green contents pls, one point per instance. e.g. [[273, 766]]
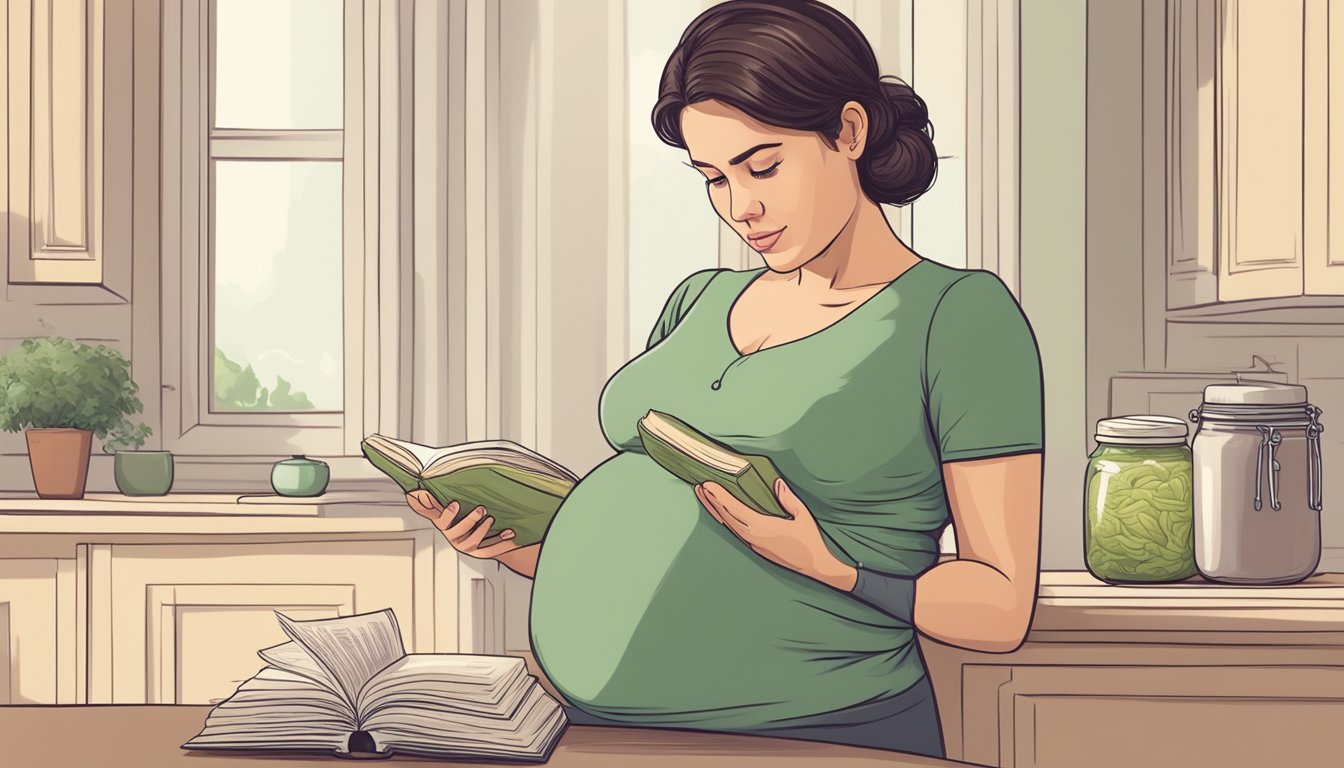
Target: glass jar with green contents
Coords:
[[1138, 524]]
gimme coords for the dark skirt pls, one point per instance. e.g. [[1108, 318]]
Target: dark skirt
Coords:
[[906, 722]]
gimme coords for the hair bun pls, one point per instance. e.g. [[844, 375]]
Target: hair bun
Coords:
[[901, 160]]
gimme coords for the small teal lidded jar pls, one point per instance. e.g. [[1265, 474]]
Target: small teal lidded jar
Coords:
[[300, 476], [1138, 525]]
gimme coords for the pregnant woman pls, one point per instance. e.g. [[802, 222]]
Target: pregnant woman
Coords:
[[894, 394]]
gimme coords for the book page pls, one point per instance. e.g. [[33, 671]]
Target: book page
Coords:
[[277, 709], [350, 649], [472, 682], [292, 658], [692, 444]]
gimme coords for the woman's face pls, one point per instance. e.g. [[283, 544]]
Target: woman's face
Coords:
[[762, 179]]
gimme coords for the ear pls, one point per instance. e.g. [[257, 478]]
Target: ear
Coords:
[[853, 130]]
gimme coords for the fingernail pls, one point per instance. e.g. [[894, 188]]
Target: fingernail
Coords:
[[507, 534], [452, 505]]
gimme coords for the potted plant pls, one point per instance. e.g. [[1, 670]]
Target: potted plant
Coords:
[[61, 396], [137, 472]]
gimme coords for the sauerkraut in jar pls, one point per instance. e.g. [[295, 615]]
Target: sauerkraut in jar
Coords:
[[1139, 516]]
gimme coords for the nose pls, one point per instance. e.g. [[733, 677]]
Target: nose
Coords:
[[743, 206]]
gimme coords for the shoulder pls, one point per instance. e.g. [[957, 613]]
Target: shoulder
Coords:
[[688, 290], [975, 292], [976, 315], [696, 281]]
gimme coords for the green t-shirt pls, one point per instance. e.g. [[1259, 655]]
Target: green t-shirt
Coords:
[[647, 611]]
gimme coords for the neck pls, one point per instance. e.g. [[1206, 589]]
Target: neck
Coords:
[[865, 253]]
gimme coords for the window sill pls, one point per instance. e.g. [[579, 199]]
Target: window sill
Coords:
[[229, 475], [335, 512], [269, 505]]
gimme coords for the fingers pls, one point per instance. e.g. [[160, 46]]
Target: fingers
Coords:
[[709, 505], [723, 507], [496, 545], [732, 512], [428, 507], [456, 532], [473, 538], [417, 503]]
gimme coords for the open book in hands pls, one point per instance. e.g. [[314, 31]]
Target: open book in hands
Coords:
[[347, 685], [519, 488], [696, 458]]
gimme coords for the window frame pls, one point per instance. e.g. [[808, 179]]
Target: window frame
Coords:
[[191, 148]]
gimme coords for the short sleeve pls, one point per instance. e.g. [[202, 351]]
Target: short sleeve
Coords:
[[983, 377], [679, 303]]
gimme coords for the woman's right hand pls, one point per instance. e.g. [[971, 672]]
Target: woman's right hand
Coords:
[[468, 535]]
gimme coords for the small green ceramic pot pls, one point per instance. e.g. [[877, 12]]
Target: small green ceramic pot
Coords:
[[300, 476], [143, 473]]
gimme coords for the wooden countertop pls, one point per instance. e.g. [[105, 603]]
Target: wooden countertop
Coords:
[[148, 736], [209, 513], [1071, 605]]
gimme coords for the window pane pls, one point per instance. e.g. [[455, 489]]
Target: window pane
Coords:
[[278, 64], [277, 286]]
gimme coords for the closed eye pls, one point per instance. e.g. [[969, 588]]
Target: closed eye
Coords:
[[765, 174]]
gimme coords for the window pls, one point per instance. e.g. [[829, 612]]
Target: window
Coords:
[[275, 195], [264, 237]]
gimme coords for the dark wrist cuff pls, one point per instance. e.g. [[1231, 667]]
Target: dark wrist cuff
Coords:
[[893, 594]]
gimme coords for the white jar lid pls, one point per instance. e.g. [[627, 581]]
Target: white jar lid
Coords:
[[1141, 429], [1256, 393]]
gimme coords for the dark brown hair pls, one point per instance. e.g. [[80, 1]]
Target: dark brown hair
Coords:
[[793, 64]]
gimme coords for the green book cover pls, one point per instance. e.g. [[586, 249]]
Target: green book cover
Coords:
[[753, 483], [524, 500]]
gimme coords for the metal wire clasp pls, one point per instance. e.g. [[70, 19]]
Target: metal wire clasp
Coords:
[[1269, 440], [1315, 472]]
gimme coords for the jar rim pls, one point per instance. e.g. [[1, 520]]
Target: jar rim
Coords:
[[1141, 442]]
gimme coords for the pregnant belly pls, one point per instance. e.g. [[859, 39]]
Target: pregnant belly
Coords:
[[646, 610]]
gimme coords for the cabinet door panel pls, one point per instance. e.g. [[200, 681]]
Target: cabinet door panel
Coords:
[[1192, 197], [200, 636], [1260, 118], [28, 635], [1122, 716], [185, 621], [1325, 197]]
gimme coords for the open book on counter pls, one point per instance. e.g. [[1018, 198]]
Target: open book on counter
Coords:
[[346, 686]]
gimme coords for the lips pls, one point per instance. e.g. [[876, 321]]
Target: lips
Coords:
[[763, 241]]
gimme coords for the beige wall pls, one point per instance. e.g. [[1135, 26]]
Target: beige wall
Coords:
[[1053, 202]]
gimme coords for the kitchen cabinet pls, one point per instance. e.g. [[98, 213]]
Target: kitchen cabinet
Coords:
[[65, 211], [166, 600], [1191, 673], [1255, 139]]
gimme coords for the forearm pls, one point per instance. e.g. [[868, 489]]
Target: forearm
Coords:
[[964, 603], [522, 561], [972, 605]]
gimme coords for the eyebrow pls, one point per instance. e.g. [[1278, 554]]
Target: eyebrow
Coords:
[[740, 157]]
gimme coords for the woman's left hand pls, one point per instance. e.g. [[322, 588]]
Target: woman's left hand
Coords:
[[795, 544]]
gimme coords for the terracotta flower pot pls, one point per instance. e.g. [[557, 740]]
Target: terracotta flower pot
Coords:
[[60, 461]]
